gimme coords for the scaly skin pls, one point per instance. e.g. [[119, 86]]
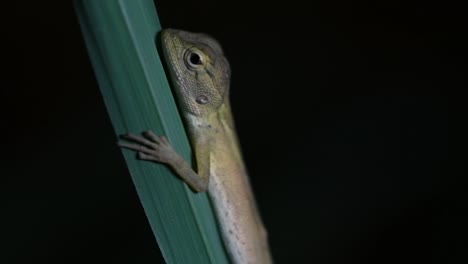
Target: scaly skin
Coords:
[[200, 75]]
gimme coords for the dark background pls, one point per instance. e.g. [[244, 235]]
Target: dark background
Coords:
[[342, 111]]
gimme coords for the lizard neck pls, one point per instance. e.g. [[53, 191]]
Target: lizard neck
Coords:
[[211, 125]]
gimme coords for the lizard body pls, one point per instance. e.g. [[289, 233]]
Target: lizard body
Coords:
[[200, 75]]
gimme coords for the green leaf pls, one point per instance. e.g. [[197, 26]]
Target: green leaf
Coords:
[[120, 37]]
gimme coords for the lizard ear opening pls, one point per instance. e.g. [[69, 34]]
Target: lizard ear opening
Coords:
[[201, 99]]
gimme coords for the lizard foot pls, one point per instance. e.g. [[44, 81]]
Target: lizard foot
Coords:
[[150, 147]]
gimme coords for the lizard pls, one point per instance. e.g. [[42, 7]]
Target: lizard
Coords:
[[200, 75]]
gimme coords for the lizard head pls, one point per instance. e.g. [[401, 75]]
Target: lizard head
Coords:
[[199, 71]]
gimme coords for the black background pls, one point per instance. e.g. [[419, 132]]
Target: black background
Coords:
[[342, 111]]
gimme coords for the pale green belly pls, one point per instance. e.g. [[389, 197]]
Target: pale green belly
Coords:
[[241, 227]]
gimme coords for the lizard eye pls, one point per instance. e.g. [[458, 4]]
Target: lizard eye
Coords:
[[194, 58]]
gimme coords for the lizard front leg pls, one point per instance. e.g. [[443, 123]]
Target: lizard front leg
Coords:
[[158, 149]]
